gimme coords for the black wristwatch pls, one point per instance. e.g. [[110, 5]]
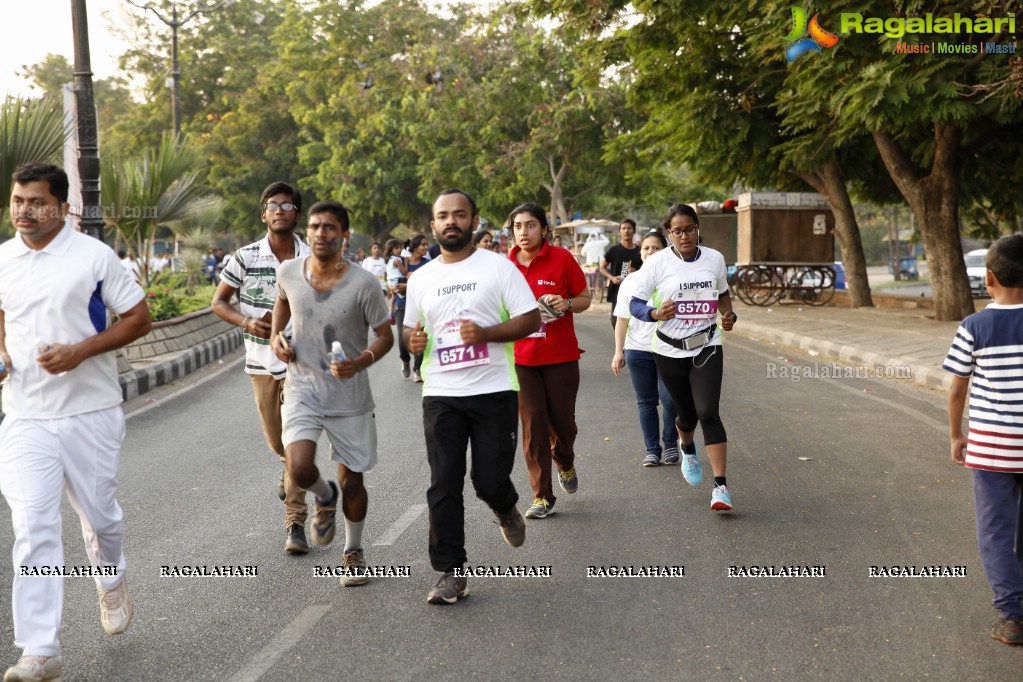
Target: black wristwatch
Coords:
[[735, 317], [569, 304]]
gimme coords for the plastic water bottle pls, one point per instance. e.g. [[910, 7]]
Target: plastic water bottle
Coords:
[[336, 352]]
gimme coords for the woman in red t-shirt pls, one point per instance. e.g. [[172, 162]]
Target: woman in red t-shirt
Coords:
[[547, 362]]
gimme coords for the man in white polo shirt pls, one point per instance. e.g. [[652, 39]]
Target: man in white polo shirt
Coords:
[[64, 424], [252, 273]]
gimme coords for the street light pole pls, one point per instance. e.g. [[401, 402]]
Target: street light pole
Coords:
[[174, 23], [88, 135]]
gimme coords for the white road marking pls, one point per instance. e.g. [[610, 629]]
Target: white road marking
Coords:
[[184, 389], [401, 524], [289, 637]]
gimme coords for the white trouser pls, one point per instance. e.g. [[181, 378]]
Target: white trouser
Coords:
[[37, 458]]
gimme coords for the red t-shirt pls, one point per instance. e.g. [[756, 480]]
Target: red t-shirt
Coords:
[[552, 271]]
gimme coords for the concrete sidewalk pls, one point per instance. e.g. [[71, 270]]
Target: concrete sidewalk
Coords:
[[891, 342]]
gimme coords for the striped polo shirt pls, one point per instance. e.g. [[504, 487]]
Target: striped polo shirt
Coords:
[[989, 347], [252, 270]]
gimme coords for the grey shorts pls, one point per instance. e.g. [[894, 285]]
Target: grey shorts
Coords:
[[353, 440]]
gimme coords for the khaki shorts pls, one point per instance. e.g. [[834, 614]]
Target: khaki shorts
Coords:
[[353, 440]]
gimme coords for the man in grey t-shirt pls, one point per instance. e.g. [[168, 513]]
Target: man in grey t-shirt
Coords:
[[329, 300]]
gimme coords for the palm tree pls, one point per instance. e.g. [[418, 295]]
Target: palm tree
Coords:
[[142, 195], [30, 130]]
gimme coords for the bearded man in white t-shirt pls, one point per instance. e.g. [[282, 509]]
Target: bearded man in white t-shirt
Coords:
[[468, 307]]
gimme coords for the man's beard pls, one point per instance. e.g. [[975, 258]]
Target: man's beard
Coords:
[[453, 243]]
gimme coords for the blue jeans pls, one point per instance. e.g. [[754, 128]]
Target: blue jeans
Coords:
[[649, 391], [997, 497]]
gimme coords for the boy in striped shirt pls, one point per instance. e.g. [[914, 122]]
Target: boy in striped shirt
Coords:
[[989, 348]]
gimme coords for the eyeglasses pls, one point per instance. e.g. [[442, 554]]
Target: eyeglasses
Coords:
[[284, 207], [687, 231]]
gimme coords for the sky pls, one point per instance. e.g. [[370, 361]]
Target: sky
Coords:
[[35, 28], [38, 27]]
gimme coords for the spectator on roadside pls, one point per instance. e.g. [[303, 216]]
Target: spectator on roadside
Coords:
[[130, 264], [987, 348]]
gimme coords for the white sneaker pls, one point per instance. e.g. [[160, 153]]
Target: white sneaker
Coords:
[[115, 609], [34, 669]]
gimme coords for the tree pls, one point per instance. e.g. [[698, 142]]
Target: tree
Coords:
[[30, 130], [145, 193], [708, 81], [934, 119]]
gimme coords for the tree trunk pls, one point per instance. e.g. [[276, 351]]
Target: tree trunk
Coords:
[[934, 199], [830, 182], [557, 212]]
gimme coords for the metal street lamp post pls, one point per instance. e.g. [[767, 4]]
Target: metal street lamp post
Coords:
[[88, 135], [174, 23]]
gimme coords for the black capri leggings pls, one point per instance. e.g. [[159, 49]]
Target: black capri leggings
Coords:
[[695, 387]]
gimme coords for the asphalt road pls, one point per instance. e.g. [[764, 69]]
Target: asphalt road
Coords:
[[845, 474]]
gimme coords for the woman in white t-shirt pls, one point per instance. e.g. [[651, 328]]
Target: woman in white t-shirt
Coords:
[[633, 340], [688, 288]]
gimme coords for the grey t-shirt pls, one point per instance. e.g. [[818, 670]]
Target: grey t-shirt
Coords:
[[346, 313]]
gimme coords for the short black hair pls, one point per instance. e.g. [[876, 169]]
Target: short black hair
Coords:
[[1005, 261], [472, 202], [679, 209], [45, 172], [281, 187], [630, 221], [335, 208]]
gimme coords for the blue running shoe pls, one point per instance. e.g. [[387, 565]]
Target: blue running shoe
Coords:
[[720, 500], [691, 470], [324, 513]]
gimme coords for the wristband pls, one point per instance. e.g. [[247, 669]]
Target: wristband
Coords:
[[246, 322], [371, 355]]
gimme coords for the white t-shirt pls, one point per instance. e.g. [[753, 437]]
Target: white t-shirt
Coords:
[[695, 287], [593, 250], [61, 294], [376, 266], [641, 334], [486, 288], [252, 270]]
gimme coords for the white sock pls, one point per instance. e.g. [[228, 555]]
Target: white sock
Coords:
[[321, 489], [353, 534]]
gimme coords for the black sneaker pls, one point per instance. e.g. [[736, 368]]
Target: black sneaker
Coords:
[[513, 526], [448, 590], [324, 513], [294, 542], [405, 369]]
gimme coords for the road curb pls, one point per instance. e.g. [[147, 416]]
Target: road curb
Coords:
[[922, 375], [139, 381]]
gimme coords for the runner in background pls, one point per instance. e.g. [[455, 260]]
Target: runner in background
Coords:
[[547, 361], [633, 341], [619, 261]]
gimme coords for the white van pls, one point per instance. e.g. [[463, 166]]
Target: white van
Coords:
[[976, 271]]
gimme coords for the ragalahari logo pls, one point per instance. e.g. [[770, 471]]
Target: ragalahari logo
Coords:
[[818, 36]]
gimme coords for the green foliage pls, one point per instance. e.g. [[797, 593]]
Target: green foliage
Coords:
[[167, 302], [30, 130], [145, 193], [164, 303]]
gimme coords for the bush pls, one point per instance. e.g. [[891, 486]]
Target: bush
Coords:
[[166, 303]]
